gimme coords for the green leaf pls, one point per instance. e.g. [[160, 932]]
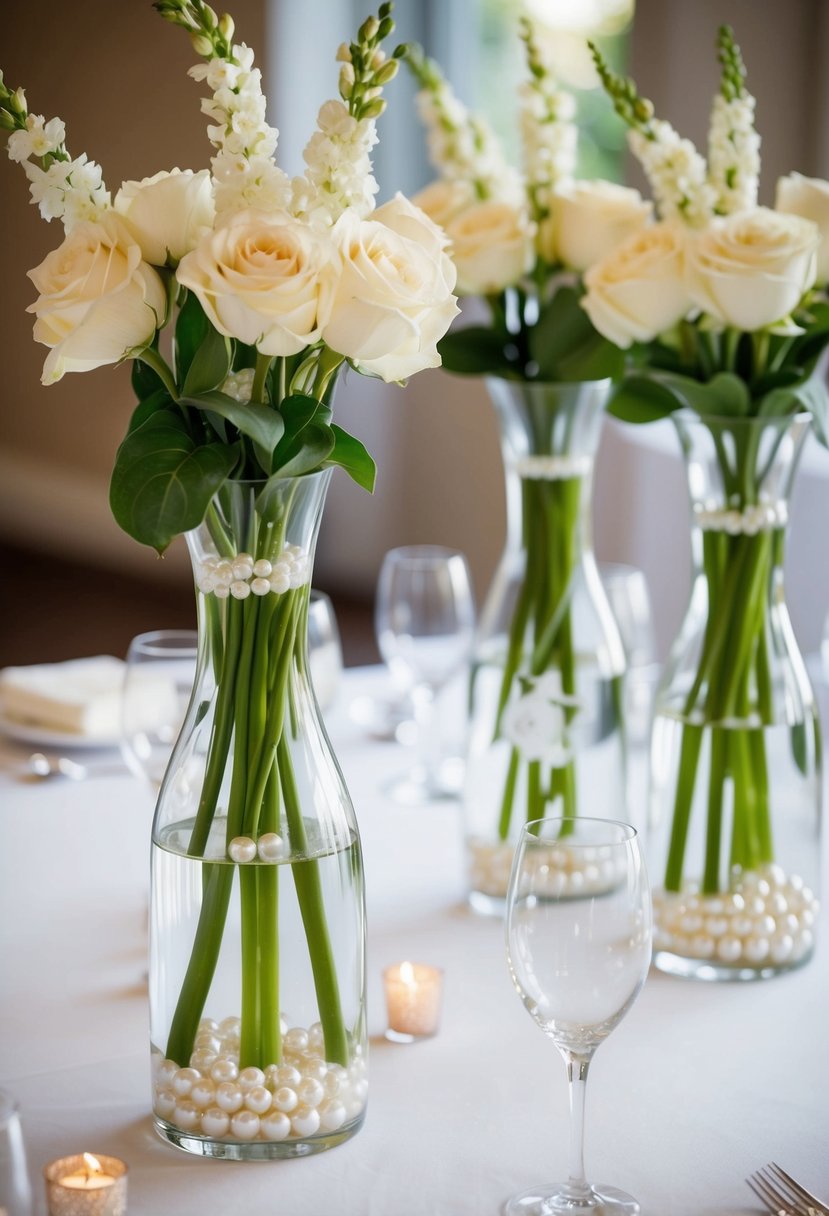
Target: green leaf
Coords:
[[163, 481], [808, 395], [639, 399], [350, 454], [474, 351], [305, 452], [261, 423], [298, 412], [149, 406], [192, 327], [723, 396], [566, 346], [594, 359], [145, 381], [209, 366]]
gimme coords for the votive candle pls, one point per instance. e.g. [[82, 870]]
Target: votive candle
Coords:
[[86, 1185], [413, 996]]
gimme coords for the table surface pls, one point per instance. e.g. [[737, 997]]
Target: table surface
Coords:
[[698, 1086]]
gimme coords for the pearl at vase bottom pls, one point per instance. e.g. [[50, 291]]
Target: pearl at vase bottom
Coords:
[[303, 1095]]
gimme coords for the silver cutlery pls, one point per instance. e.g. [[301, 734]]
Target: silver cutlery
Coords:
[[39, 766], [781, 1194]]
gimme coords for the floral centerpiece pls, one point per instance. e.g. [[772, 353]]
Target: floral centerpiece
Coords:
[[240, 295], [723, 309], [546, 689]]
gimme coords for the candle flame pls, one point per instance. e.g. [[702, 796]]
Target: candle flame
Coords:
[[93, 1165], [407, 973]]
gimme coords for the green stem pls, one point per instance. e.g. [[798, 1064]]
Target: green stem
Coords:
[[159, 364], [269, 1028], [260, 378]]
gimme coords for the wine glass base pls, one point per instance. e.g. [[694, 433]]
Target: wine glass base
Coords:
[[553, 1200], [418, 786]]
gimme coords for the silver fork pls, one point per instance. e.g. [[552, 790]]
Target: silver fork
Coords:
[[780, 1194]]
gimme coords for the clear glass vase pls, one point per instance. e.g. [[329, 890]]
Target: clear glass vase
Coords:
[[735, 790], [546, 725], [257, 979]]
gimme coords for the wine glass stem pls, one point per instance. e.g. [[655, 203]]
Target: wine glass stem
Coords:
[[577, 1067], [428, 737]]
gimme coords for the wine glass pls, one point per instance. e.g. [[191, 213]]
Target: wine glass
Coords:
[[158, 681], [15, 1190], [325, 655], [627, 590], [425, 620], [578, 935]]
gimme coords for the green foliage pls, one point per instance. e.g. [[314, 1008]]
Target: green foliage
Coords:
[[209, 365], [308, 439], [192, 329], [476, 351], [261, 423], [350, 454], [565, 345]]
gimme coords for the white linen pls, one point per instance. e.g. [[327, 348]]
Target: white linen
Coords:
[[80, 697], [698, 1086]]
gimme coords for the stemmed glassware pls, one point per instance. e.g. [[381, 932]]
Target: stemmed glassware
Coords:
[[425, 617], [158, 681], [578, 935], [627, 590], [15, 1189]]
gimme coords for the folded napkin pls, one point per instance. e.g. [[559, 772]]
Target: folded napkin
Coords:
[[79, 697]]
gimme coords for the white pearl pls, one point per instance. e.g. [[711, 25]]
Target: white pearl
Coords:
[[221, 593], [729, 949], [285, 1099], [763, 887], [298, 575], [777, 903], [354, 1109], [756, 949], [790, 923], [591, 874], [690, 923], [310, 1065], [716, 926], [808, 896], [296, 1040], [240, 590], [203, 1059], [765, 925], [662, 940], [803, 943], [275, 1126], [332, 1116], [306, 1122], [230, 1026], [807, 918], [215, 1122], [242, 849], [224, 1070], [781, 948], [245, 1125], [713, 906], [576, 880], [184, 1081], [262, 568], [208, 1040], [776, 875], [270, 846], [224, 571], [286, 1074], [167, 1069], [258, 1099], [165, 1103], [203, 1093], [229, 1096], [310, 1092], [260, 586], [742, 926], [335, 1080], [280, 580], [316, 1038], [250, 1078], [242, 569], [702, 946], [187, 1116], [208, 1026]]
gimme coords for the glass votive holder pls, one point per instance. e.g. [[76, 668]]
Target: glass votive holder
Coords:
[[413, 996], [86, 1185]]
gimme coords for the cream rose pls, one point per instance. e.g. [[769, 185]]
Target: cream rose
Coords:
[[809, 198], [394, 299], [443, 200], [588, 221], [98, 299], [492, 246], [750, 269], [264, 278], [167, 213], [639, 290]]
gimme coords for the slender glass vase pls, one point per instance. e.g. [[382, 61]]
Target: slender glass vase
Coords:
[[257, 981], [546, 729], [735, 753]]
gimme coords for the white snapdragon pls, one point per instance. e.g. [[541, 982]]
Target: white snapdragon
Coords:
[[39, 138], [338, 176], [69, 190], [549, 138], [244, 172], [677, 174], [734, 154], [464, 147]]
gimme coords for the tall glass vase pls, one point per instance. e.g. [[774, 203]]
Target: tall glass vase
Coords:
[[735, 755], [257, 981], [546, 731]]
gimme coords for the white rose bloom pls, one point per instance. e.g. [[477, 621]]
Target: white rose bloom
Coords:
[[589, 220], [750, 269], [492, 246], [98, 299], [167, 213], [394, 299], [808, 197], [639, 291], [265, 279], [535, 726], [443, 200]]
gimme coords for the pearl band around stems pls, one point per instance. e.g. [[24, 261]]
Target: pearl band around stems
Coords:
[[764, 516], [551, 468], [243, 575], [302, 1096]]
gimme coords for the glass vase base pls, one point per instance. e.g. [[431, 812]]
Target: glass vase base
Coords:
[[554, 1200], [255, 1150], [487, 905], [419, 786], [714, 971]]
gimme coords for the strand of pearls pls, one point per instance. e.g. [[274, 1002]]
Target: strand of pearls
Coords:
[[302, 1096], [551, 468], [764, 516], [767, 918], [244, 575]]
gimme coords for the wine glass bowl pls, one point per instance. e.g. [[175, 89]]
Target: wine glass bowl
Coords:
[[158, 682], [578, 934]]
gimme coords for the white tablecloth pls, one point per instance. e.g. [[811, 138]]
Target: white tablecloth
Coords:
[[699, 1085]]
